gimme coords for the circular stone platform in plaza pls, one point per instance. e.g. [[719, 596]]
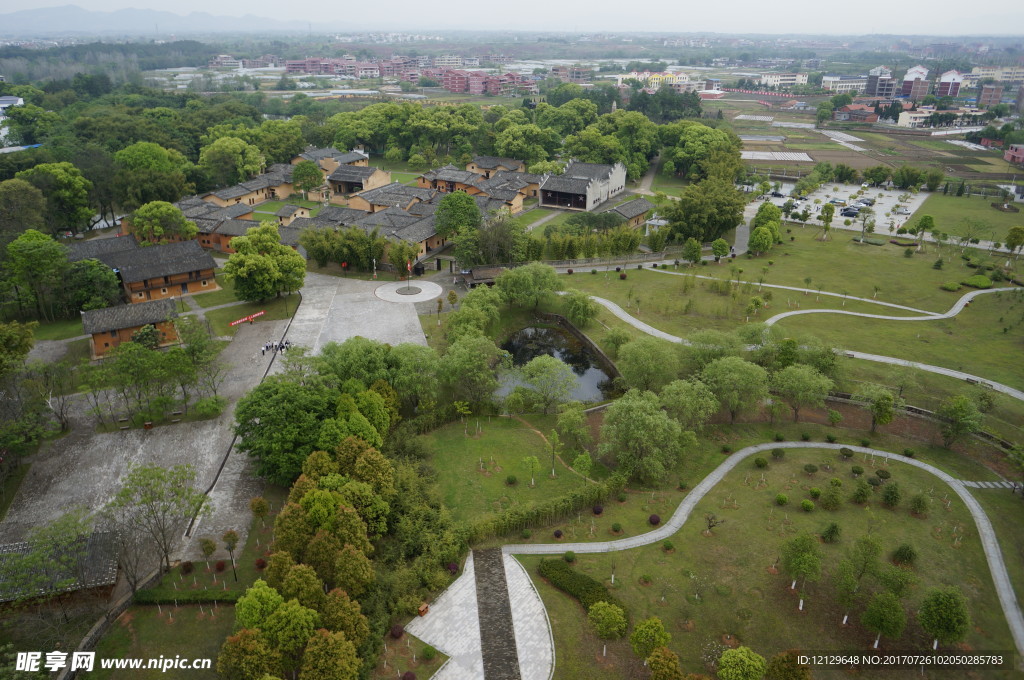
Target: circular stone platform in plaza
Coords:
[[402, 291]]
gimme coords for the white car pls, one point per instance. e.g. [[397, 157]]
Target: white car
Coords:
[[902, 211]]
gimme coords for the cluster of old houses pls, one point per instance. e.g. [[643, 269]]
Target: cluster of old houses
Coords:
[[353, 193]]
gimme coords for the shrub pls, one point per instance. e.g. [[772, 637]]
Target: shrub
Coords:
[[760, 462], [569, 556], [618, 269], [584, 588], [951, 286], [209, 407], [919, 504], [526, 534], [616, 527], [830, 438], [909, 453], [862, 493], [810, 468], [846, 453], [568, 271], [777, 454], [938, 263], [558, 533], [645, 579], [726, 448], [187, 567], [866, 443], [874, 481], [857, 470], [654, 520], [453, 568], [908, 253], [622, 276], [261, 563], [815, 492], [511, 480], [805, 436], [598, 509], [831, 500], [781, 499], [667, 546], [397, 631], [408, 675], [831, 533], [892, 496], [905, 555], [978, 281], [621, 496], [220, 566], [593, 271], [883, 473], [779, 438], [806, 505], [428, 653]]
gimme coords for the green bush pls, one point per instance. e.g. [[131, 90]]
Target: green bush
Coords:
[[777, 454], [428, 653], [874, 481], [526, 533], [806, 505], [831, 500], [810, 468], [857, 470], [892, 496], [920, 504], [616, 527], [582, 587], [831, 533], [862, 493], [846, 453], [905, 555], [815, 492], [805, 436], [951, 286], [667, 546], [511, 480], [978, 281], [760, 462], [209, 407], [781, 499], [779, 438], [908, 253], [831, 438], [866, 443], [569, 556], [883, 473]]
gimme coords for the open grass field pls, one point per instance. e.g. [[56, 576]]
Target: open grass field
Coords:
[[62, 329], [951, 212], [472, 468], [146, 632], [265, 211], [398, 659], [275, 308], [528, 218], [719, 589], [972, 341], [225, 295]]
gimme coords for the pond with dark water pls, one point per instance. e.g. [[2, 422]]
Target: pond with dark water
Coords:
[[592, 383]]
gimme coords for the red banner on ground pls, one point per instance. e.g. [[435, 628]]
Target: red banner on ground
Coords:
[[248, 318]]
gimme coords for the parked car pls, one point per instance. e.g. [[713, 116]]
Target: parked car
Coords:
[[850, 212], [867, 201], [837, 201], [778, 194], [900, 210]]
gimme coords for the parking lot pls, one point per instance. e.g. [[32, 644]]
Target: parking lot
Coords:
[[887, 203]]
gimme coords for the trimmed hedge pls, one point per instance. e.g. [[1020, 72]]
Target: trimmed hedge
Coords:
[[978, 281], [582, 587], [186, 596]]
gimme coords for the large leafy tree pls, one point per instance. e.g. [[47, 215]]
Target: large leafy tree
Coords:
[[647, 636], [737, 384], [148, 172], [690, 402], [960, 417], [457, 211], [36, 265], [278, 423], [90, 284], [801, 386], [647, 363], [467, 369], [307, 176], [230, 160], [881, 403], [550, 380], [884, 616], [801, 558], [640, 436], [262, 266], [706, 210], [22, 206], [158, 221], [289, 628], [66, 191], [741, 663], [330, 656], [527, 285], [247, 655], [256, 605], [944, 615]]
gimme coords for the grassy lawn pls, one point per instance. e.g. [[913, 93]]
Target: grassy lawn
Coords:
[[950, 213], [711, 587], [471, 469], [148, 632], [399, 658], [273, 206], [223, 296], [993, 354], [405, 177], [276, 309], [1003, 509], [528, 218], [62, 329]]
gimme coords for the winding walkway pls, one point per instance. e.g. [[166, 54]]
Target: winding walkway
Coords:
[[989, 543]]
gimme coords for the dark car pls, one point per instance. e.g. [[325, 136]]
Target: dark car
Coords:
[[778, 194], [850, 212], [867, 201]]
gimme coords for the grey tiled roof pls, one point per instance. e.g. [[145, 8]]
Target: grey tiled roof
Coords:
[[351, 173], [99, 248], [160, 260], [590, 170], [287, 211], [276, 175], [128, 316], [95, 567], [396, 194], [234, 227], [419, 231], [388, 219], [342, 157], [336, 214], [450, 173], [566, 185], [491, 162], [634, 208]]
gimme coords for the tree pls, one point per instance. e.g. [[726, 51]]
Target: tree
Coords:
[[528, 284], [640, 436], [741, 663], [706, 210], [289, 628], [467, 369], [787, 666], [89, 284], [146, 172], [66, 191], [737, 384], [664, 665], [944, 616], [278, 423], [801, 559], [256, 605], [456, 211], [401, 255], [354, 571], [884, 616], [307, 176], [1015, 240], [330, 656], [647, 363], [36, 265], [933, 179], [580, 309], [246, 655], [22, 207], [159, 221], [229, 160], [550, 380], [608, 620], [828, 211], [162, 501], [882, 404], [692, 251], [342, 614], [572, 425], [262, 266], [301, 583], [720, 248], [583, 464], [760, 241], [531, 463], [647, 636], [960, 417], [800, 385], [690, 402]]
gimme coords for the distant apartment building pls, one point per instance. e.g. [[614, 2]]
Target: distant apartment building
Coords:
[[1000, 74], [448, 61], [949, 84], [844, 84], [915, 83], [572, 74], [224, 61], [880, 83], [922, 117], [1020, 98], [782, 79], [989, 96], [1014, 154]]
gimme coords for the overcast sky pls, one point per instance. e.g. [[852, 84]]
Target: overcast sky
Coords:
[[996, 17]]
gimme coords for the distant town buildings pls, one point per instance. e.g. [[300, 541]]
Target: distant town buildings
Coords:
[[880, 83], [949, 84], [782, 80], [844, 84], [915, 83], [990, 95]]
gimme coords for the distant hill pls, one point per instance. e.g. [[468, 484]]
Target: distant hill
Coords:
[[71, 19]]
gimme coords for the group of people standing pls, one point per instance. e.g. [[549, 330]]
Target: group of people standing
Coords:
[[275, 347]]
